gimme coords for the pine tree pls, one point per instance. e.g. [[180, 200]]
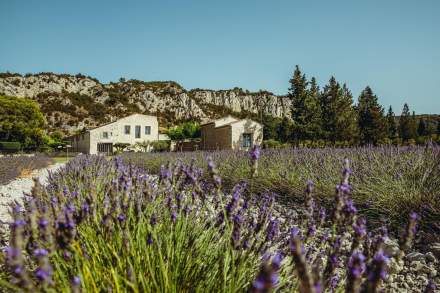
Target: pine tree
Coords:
[[405, 123], [371, 120], [391, 124], [284, 130], [313, 113], [338, 114], [413, 126], [298, 96]]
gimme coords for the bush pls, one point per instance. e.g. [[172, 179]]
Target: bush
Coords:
[[272, 144], [10, 146], [160, 146], [388, 181], [102, 225]]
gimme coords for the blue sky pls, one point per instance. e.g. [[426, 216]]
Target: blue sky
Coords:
[[393, 45]]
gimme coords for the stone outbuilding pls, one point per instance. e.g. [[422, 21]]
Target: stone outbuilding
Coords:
[[231, 133]]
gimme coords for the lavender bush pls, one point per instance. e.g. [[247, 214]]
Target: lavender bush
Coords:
[[12, 166], [108, 226], [387, 181]]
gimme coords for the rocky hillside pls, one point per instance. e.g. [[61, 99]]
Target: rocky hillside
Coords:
[[71, 103]]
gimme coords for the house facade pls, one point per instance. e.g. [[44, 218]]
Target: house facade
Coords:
[[131, 130], [231, 133]]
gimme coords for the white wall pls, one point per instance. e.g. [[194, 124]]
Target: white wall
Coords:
[[116, 132], [246, 126]]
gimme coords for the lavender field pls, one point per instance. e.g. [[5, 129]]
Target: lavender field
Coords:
[[388, 183], [13, 166], [135, 224]]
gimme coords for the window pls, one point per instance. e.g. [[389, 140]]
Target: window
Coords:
[[137, 131], [147, 130], [105, 134], [127, 129], [247, 140]]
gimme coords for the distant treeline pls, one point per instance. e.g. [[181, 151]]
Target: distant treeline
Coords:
[[328, 116]]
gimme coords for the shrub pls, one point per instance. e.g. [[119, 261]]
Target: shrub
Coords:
[[105, 226], [388, 181], [10, 146], [272, 144], [160, 146], [12, 167]]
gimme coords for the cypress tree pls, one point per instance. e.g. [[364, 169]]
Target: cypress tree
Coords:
[[371, 120], [405, 123], [284, 130], [298, 96], [338, 114], [312, 127], [413, 126], [391, 124]]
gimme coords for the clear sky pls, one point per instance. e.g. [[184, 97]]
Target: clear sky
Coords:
[[391, 45]]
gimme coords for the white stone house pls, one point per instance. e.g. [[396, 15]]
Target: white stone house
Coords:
[[131, 129], [231, 133]]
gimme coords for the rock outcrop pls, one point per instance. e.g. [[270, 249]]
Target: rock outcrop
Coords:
[[71, 103]]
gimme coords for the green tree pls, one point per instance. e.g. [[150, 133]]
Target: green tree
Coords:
[[422, 129], [391, 124], [270, 126], [285, 130], [21, 120], [371, 120], [185, 130], [338, 114], [405, 124], [413, 126], [305, 109]]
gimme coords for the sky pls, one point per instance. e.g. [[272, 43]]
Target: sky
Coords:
[[393, 46]]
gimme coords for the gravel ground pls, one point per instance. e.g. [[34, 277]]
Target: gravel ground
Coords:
[[15, 190]]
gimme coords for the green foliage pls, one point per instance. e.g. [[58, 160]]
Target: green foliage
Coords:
[[21, 120], [10, 146], [160, 146], [391, 124], [144, 145], [285, 130], [422, 129], [186, 130], [306, 109], [405, 128], [339, 116], [371, 120], [270, 126], [120, 146], [273, 144]]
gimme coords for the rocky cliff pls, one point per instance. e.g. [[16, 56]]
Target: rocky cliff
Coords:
[[71, 103]]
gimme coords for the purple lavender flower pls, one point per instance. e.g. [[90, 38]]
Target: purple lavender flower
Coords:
[[255, 152], [76, 281], [40, 252], [267, 279], [356, 267]]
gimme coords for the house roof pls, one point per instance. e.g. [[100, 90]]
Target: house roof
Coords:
[[219, 120]]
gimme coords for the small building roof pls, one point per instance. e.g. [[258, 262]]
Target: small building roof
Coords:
[[218, 122]]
